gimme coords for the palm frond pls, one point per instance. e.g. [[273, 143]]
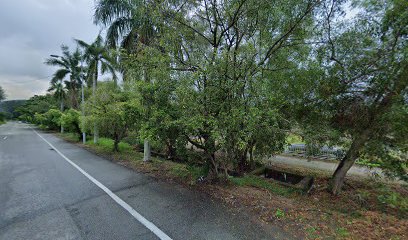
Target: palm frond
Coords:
[[61, 73], [106, 11]]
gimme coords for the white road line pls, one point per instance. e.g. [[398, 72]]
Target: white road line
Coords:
[[5, 138], [159, 233]]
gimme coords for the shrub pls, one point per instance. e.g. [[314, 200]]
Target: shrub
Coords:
[[70, 121]]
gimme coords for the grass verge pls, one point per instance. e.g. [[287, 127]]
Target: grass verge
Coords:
[[259, 182]]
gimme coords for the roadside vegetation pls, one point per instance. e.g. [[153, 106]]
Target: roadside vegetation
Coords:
[[366, 209], [212, 87], [2, 114]]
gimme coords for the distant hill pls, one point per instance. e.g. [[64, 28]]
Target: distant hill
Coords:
[[9, 106]]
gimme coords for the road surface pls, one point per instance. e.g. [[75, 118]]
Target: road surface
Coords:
[[51, 189]]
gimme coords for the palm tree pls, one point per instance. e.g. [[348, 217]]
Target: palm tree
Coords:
[[69, 65], [58, 88], [97, 56], [128, 22]]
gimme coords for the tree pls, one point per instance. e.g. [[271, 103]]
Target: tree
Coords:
[[2, 94], [133, 26], [97, 57], [110, 110], [37, 104], [57, 86], [52, 119], [222, 56], [361, 92], [128, 22], [70, 120], [69, 65]]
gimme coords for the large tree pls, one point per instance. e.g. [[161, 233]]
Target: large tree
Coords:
[[360, 92], [221, 57], [98, 58], [69, 64], [110, 109], [132, 26], [59, 91], [128, 22]]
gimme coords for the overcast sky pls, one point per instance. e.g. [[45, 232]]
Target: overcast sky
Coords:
[[31, 30]]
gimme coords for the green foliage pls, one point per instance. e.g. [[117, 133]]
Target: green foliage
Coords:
[[69, 66], [234, 79], [279, 213], [53, 118], [2, 94], [2, 117], [259, 182], [50, 119], [342, 232], [106, 145], [36, 105], [361, 95], [293, 139], [70, 120], [69, 136], [393, 200], [9, 108], [210, 84], [98, 57], [188, 172], [111, 112], [312, 233]]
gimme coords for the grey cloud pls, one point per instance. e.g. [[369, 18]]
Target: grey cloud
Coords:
[[31, 30]]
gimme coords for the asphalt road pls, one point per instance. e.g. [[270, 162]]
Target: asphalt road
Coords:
[[65, 192]]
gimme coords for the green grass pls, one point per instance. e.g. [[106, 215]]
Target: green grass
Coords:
[[279, 213], [259, 182], [106, 145], [187, 172], [391, 199], [71, 137], [342, 232], [312, 233]]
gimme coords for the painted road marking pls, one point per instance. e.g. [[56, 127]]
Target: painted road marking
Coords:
[[159, 233], [5, 138]]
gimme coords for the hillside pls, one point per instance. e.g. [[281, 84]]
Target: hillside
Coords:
[[9, 106]]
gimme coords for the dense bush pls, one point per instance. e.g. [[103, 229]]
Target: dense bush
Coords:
[[70, 120]]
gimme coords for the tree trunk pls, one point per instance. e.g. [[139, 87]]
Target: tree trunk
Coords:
[[78, 131], [360, 140], [171, 150], [95, 81], [147, 151], [347, 162], [62, 110], [116, 145], [243, 165]]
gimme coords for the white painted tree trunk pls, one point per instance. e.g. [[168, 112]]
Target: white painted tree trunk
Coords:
[[147, 151], [96, 131], [83, 108]]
